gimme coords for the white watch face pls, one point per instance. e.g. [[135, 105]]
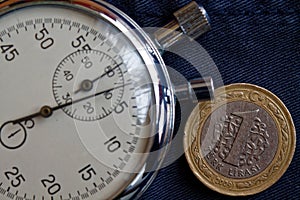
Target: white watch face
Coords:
[[94, 83]]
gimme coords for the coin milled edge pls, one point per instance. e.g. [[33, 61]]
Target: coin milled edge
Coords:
[[286, 140]]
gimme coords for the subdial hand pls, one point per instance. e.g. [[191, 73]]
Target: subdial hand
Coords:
[[14, 133], [87, 85], [47, 111]]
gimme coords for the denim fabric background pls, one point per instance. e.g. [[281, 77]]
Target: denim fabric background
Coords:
[[251, 41]]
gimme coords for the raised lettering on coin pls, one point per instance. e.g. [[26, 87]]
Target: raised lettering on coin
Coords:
[[241, 143]]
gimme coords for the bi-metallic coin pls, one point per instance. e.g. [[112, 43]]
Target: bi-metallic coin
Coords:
[[241, 143]]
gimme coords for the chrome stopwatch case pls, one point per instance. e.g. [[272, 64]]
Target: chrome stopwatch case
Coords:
[[87, 106]]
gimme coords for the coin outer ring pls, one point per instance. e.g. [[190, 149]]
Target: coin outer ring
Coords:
[[284, 153]]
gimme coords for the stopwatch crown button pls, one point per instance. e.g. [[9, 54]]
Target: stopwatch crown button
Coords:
[[190, 21], [193, 20]]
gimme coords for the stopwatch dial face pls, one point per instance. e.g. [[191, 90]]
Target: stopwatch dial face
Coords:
[[95, 80], [95, 70]]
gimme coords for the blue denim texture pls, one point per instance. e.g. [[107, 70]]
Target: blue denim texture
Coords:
[[251, 41]]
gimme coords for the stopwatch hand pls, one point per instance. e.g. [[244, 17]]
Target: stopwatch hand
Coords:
[[47, 111], [87, 85]]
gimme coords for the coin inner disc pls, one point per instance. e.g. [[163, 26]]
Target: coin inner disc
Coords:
[[239, 140]]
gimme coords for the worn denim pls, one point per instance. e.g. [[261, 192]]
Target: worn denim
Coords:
[[251, 41]]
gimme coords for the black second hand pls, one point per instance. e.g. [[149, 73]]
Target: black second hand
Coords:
[[52, 109]]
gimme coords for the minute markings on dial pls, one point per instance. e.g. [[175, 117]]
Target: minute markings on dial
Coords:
[[30, 28], [48, 21]]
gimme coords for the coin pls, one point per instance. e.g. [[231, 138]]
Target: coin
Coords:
[[242, 142]]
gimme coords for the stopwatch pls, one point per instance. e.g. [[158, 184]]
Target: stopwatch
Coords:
[[87, 106]]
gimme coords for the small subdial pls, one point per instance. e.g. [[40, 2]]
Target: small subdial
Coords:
[[92, 76]]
